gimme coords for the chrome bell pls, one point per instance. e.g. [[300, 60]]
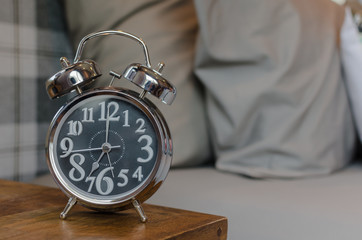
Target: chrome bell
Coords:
[[72, 77], [144, 76], [151, 81]]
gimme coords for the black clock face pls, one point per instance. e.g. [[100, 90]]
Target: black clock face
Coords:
[[105, 147]]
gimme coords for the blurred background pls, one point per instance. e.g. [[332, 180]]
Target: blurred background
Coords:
[[34, 35]]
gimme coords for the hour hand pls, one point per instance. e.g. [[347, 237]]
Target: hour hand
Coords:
[[95, 165]]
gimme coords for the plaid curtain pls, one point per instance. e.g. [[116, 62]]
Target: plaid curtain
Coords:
[[32, 39]]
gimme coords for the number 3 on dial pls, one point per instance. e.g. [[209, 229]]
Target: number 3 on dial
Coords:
[[146, 148]]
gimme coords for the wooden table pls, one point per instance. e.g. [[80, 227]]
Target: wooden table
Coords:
[[32, 212]]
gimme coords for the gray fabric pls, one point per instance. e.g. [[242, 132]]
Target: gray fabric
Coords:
[[324, 208], [275, 97], [169, 29], [33, 37]]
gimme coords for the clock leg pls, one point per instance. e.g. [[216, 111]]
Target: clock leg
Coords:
[[139, 210], [72, 201]]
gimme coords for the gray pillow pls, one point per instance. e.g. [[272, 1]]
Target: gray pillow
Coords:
[[275, 96], [169, 29]]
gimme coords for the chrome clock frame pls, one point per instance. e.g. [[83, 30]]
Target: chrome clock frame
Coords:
[[130, 199]]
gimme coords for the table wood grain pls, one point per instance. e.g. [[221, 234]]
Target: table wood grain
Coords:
[[32, 212]]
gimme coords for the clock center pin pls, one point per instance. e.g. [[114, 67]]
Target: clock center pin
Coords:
[[106, 147]]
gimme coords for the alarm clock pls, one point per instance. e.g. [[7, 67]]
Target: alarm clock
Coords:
[[109, 148]]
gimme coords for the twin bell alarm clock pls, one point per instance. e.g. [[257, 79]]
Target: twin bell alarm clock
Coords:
[[109, 148]]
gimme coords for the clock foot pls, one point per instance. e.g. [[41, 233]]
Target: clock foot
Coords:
[[72, 201], [139, 210]]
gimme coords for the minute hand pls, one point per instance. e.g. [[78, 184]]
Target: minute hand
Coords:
[[107, 123]]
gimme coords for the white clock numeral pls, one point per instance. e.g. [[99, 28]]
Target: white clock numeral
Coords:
[[146, 148], [75, 128], [101, 182], [141, 128], [76, 167], [123, 175], [90, 179], [87, 115], [103, 111], [67, 146], [107, 112], [107, 181], [138, 174], [126, 124]]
